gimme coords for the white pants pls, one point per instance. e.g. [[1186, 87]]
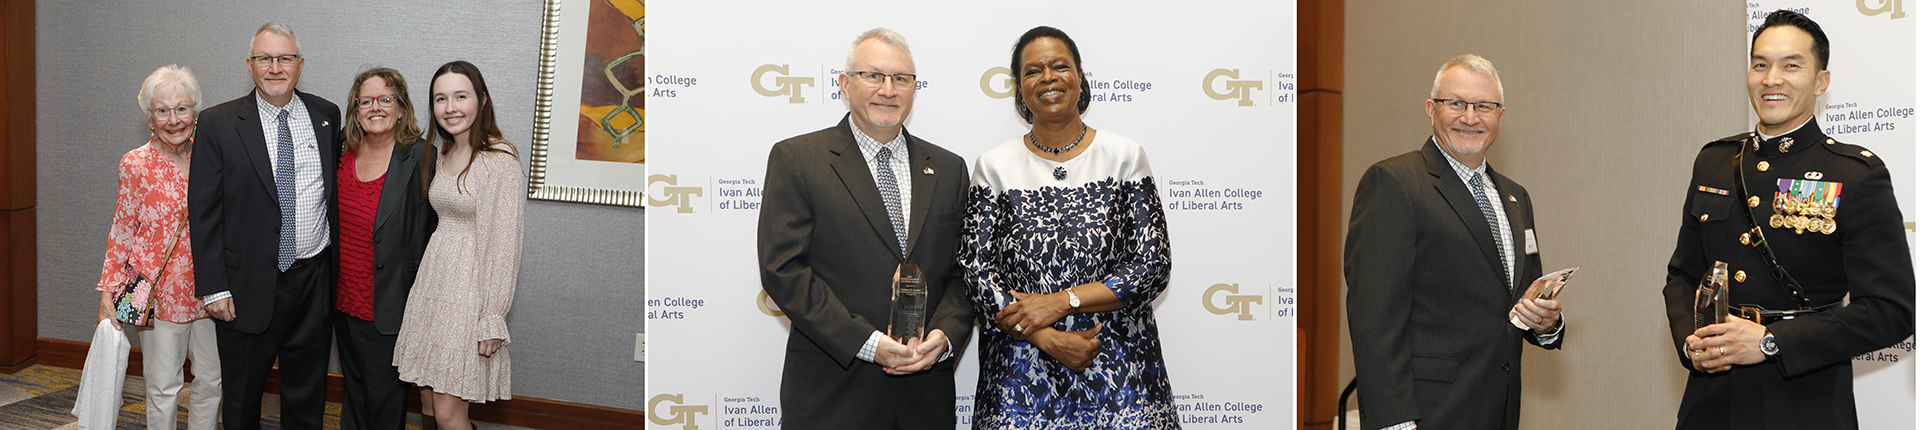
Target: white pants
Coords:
[[164, 349]]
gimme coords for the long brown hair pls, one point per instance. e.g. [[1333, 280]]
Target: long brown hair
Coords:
[[485, 130]]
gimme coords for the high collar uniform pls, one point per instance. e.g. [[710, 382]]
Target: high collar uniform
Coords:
[[1809, 384]]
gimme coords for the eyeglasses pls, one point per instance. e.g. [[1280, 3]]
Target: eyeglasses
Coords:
[[1460, 106], [283, 60], [906, 80], [181, 111], [384, 101]]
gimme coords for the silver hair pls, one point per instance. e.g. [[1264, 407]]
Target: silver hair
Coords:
[[884, 35], [275, 27], [170, 77], [1473, 63]]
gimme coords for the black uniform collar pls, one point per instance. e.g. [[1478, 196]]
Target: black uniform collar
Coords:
[[1807, 136]]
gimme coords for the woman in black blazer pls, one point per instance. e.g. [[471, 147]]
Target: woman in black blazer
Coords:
[[383, 228]]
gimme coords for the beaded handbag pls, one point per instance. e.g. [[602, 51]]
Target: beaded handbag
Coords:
[[133, 301]]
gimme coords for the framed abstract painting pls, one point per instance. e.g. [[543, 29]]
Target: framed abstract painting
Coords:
[[589, 132]]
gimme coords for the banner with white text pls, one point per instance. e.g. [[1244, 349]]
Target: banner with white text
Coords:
[[1207, 88], [1870, 102]]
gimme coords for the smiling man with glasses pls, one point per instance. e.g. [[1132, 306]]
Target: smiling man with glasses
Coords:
[[261, 214], [1803, 222], [1439, 248], [844, 208]]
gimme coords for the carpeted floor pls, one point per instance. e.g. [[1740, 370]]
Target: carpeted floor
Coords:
[[41, 398]]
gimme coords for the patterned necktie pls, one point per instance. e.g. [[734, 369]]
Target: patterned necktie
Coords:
[[283, 186], [890, 194], [1493, 222]]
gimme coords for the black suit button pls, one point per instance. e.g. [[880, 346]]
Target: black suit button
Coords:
[[383, 266], [376, 240], [1504, 367]]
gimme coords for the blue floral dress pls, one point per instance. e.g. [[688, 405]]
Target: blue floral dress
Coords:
[[1033, 230]]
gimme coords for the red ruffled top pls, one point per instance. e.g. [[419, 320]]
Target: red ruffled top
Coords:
[[359, 202]]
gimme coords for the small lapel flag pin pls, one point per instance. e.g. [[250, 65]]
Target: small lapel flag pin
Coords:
[[928, 171]]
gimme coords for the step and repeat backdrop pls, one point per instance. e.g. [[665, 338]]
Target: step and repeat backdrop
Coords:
[[1870, 102], [1206, 88]]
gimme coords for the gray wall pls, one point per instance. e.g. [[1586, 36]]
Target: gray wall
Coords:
[[575, 312], [1608, 103]]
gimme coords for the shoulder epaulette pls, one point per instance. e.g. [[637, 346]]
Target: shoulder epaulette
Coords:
[[1734, 139], [1856, 152]]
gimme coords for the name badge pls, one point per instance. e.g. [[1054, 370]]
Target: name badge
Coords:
[[1532, 247]]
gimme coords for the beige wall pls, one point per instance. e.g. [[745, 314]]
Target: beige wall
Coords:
[[1608, 103]]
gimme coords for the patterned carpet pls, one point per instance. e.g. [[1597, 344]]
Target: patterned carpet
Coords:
[[41, 398]]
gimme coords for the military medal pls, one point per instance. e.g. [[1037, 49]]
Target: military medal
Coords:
[[1782, 207], [1807, 205]]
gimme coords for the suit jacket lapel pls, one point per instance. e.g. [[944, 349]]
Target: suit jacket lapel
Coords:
[[851, 166], [399, 175], [918, 161], [1455, 191], [254, 141]]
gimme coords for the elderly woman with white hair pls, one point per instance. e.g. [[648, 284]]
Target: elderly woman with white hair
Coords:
[[149, 219]]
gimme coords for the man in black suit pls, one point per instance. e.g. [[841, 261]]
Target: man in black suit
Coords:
[[844, 207], [1439, 249], [1802, 222], [261, 196]]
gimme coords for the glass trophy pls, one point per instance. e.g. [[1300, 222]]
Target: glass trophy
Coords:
[[1710, 300], [1546, 287], [909, 319]]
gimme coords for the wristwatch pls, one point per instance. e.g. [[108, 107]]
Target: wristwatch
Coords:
[[1767, 346], [1073, 299]]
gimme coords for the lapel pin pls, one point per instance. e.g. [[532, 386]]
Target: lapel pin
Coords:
[[1512, 199], [325, 123], [929, 170]]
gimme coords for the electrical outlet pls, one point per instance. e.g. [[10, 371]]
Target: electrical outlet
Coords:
[[640, 347]]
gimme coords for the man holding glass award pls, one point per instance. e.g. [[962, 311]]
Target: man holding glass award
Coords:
[[1791, 258], [861, 220], [1443, 271]]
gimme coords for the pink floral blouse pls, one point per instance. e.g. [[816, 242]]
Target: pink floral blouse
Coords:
[[146, 216]]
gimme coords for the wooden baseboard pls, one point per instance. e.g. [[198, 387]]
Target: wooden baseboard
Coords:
[[522, 411]]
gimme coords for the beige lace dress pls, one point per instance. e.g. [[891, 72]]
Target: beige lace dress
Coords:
[[466, 282]]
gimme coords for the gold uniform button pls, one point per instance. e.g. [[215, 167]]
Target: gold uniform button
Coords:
[[1868, 154], [1745, 239], [1703, 217], [1829, 141], [1763, 166], [1740, 276], [1753, 201]]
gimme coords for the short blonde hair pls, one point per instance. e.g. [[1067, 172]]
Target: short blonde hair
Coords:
[[275, 27], [1473, 63], [882, 34], [169, 77]]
